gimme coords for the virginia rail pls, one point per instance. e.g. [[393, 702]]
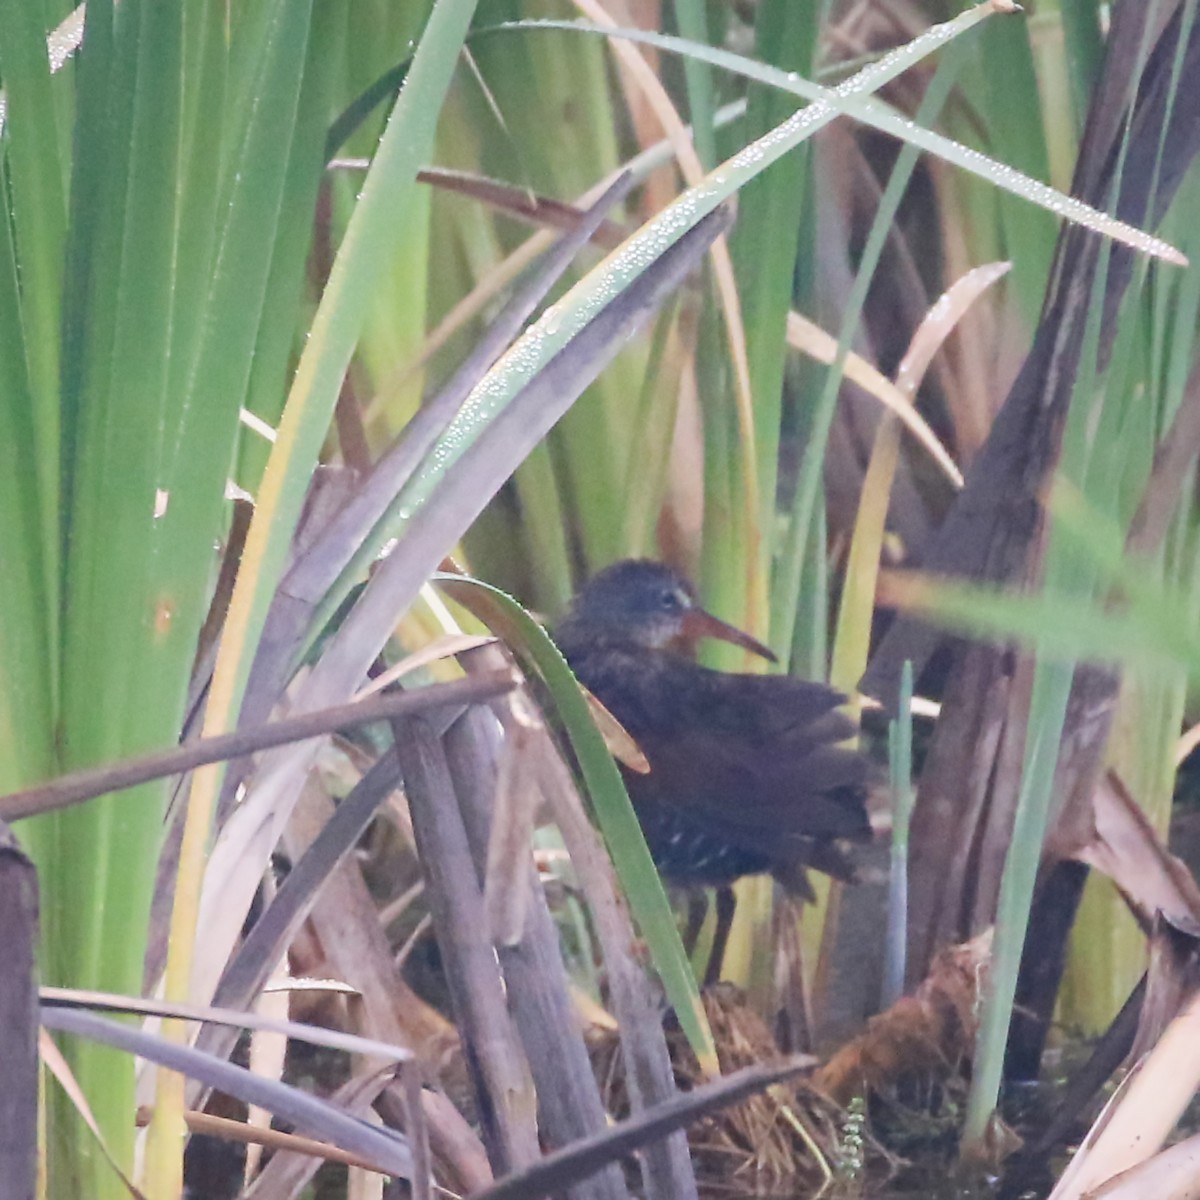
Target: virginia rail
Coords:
[[746, 773]]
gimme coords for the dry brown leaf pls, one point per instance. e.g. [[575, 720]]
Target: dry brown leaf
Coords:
[[922, 1034], [1125, 847]]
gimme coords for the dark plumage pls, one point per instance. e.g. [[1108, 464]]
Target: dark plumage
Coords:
[[746, 774]]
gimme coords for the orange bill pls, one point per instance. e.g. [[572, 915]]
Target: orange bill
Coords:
[[697, 624]]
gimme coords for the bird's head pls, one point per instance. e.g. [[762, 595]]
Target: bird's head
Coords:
[[654, 606]]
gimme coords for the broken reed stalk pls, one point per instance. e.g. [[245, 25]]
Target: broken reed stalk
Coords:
[[495, 1062], [356, 950], [113, 777], [667, 1172], [569, 1104], [18, 1019]]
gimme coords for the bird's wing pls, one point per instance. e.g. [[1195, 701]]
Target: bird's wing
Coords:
[[752, 751], [743, 752], [819, 792]]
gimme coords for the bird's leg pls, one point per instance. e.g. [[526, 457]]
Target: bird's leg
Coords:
[[697, 910], [726, 904]]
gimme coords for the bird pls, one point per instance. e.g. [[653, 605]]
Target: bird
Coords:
[[749, 773]]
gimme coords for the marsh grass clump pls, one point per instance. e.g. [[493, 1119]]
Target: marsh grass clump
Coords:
[[788, 1141]]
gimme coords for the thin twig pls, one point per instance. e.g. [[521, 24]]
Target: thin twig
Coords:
[[96, 781]]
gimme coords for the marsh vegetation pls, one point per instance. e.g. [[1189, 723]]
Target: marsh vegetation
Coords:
[[341, 342]]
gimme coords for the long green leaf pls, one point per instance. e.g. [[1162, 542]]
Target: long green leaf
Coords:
[[386, 194], [212, 380], [1061, 626], [852, 99], [35, 150], [125, 629]]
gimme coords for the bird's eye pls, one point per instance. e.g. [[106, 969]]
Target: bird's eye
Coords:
[[668, 600]]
